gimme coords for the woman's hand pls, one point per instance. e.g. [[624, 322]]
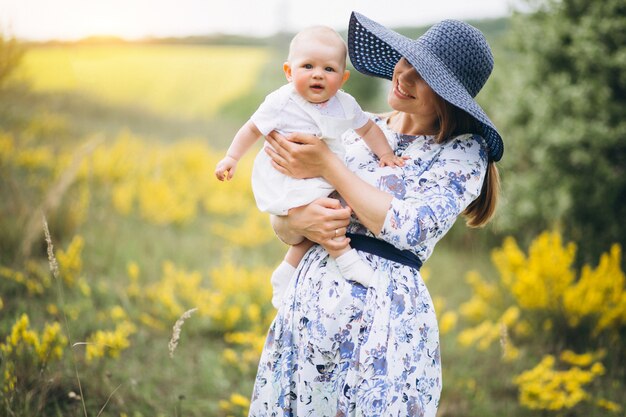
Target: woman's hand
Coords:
[[321, 221], [298, 155]]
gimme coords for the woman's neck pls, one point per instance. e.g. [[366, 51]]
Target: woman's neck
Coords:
[[408, 124]]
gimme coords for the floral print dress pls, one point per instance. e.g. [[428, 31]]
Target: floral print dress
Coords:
[[337, 348]]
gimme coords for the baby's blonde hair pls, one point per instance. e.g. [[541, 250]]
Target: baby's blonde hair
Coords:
[[323, 34]]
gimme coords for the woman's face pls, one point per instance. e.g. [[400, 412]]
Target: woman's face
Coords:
[[410, 93]]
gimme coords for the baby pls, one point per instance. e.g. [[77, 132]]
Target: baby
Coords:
[[311, 102]]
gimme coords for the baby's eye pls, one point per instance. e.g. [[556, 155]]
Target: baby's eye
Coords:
[[307, 66], [329, 69]]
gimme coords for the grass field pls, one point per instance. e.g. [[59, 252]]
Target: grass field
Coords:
[[185, 81], [143, 232]]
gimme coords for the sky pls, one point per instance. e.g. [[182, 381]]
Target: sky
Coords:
[[135, 19]]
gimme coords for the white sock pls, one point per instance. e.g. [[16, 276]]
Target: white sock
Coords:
[[353, 268], [280, 279]]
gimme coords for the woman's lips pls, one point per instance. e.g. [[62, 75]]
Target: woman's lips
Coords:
[[401, 93]]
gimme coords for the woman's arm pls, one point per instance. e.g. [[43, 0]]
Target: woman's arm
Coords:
[[430, 205], [304, 156]]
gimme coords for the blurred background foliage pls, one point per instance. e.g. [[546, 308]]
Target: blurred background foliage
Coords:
[[563, 121], [532, 309]]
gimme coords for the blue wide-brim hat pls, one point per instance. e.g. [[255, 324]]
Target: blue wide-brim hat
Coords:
[[453, 58]]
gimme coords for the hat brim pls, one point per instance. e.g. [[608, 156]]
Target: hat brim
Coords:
[[375, 50]]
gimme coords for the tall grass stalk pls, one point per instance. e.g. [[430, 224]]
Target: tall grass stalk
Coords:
[[176, 330], [108, 399], [54, 267]]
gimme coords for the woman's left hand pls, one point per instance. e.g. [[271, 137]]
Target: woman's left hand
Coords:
[[298, 155]]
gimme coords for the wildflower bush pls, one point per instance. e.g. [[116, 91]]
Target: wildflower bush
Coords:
[[542, 309], [160, 185], [27, 352]]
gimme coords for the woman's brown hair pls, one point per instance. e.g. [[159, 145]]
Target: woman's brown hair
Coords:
[[453, 122]]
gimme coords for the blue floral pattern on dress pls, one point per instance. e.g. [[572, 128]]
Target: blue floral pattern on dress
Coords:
[[337, 349]]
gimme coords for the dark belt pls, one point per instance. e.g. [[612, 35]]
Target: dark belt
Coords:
[[384, 250]]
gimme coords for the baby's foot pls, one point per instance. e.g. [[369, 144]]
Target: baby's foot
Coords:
[[280, 279], [353, 268]]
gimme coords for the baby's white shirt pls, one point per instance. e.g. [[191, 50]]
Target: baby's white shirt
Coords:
[[280, 112]]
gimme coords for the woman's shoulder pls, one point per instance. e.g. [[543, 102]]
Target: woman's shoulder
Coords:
[[468, 143], [379, 118]]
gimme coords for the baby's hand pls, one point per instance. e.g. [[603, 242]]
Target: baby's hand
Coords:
[[225, 168], [391, 160]]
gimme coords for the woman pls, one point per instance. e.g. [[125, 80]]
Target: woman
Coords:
[[337, 347]]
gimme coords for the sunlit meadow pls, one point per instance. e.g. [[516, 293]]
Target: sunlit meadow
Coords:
[[143, 233], [191, 81]]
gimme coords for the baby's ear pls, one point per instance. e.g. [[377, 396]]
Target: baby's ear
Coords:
[[287, 70], [346, 75]]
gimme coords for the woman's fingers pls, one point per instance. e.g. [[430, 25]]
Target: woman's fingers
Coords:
[[279, 168], [328, 202], [275, 156], [337, 232], [333, 209], [302, 138], [279, 144]]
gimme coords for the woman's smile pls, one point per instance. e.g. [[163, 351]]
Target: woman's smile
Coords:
[[401, 93]]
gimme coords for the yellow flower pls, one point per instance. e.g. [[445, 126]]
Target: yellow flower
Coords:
[[133, 271], [118, 313], [150, 321], [510, 316], [600, 292], [52, 309], [230, 356], [609, 405], [70, 261], [123, 196], [539, 281], [52, 343], [546, 388], [482, 335], [254, 313], [240, 400], [109, 343], [475, 310], [583, 359], [10, 379], [448, 322]]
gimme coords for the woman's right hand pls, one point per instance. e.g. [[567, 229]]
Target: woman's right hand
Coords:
[[320, 221]]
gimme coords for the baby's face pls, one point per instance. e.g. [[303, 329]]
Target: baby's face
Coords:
[[317, 70]]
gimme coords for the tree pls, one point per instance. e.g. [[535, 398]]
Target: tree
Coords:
[[566, 130]]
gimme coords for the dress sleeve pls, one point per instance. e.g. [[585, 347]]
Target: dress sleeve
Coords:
[[434, 196]]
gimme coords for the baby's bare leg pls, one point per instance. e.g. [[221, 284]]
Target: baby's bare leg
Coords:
[[296, 252]]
